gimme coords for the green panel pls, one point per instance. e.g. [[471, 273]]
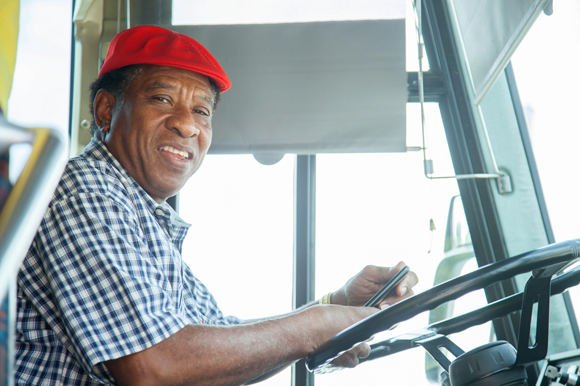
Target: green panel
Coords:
[[519, 211]]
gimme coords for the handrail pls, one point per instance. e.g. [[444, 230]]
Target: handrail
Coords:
[[26, 204]]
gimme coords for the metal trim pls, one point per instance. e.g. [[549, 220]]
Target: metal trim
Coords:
[[304, 243], [460, 128]]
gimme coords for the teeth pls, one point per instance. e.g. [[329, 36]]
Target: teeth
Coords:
[[184, 154]]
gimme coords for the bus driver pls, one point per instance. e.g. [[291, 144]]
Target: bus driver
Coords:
[[103, 295]]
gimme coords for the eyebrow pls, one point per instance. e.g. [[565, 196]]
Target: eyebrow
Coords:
[[167, 86], [157, 85]]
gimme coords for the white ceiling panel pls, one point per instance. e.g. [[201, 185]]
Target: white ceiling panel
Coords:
[[305, 88]]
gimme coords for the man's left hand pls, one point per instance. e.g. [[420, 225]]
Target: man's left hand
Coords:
[[360, 288]]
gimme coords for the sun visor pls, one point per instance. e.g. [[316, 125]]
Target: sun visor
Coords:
[[306, 88], [503, 24]]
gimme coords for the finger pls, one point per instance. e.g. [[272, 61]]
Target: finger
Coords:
[[348, 360], [395, 299], [376, 274], [351, 358], [410, 280], [364, 350], [384, 274]]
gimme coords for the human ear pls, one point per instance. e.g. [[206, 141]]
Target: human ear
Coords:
[[103, 107]]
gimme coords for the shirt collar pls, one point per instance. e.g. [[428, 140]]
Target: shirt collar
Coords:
[[96, 149]]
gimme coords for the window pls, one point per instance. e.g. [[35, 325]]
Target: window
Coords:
[[41, 92], [241, 235], [376, 209], [240, 242], [543, 66]]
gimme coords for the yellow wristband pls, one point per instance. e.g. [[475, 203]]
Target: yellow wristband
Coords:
[[326, 299]]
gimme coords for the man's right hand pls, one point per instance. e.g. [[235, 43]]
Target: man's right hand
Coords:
[[234, 355], [351, 358]]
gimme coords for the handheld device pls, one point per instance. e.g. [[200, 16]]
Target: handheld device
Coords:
[[388, 288]]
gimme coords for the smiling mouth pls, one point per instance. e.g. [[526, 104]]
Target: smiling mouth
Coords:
[[173, 150]]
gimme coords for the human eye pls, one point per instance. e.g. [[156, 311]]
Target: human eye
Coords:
[[162, 99], [203, 111]]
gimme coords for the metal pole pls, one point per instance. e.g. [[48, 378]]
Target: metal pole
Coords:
[[304, 236]]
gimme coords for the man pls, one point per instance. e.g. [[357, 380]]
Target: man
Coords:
[[103, 295]]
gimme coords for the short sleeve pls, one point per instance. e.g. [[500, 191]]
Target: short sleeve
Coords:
[[111, 296], [203, 304]]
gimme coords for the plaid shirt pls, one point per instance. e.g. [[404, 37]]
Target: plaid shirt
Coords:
[[103, 278]]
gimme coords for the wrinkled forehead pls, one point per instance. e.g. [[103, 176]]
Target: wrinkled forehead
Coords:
[[150, 73], [153, 77]]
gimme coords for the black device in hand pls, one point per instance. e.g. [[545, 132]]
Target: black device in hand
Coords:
[[388, 288]]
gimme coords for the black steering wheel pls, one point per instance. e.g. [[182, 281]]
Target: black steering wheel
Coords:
[[544, 262]]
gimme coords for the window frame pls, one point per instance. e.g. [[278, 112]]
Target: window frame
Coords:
[[465, 146]]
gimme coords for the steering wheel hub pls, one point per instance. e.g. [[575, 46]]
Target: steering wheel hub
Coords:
[[488, 365]]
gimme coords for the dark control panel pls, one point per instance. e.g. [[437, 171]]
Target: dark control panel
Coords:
[[561, 369]]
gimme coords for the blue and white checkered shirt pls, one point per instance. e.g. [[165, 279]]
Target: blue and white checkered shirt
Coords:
[[103, 278]]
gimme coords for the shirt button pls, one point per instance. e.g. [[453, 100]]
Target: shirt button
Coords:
[[159, 212]]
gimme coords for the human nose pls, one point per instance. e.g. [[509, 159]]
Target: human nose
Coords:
[[183, 123]]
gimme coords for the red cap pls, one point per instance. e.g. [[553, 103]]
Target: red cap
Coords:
[[155, 45]]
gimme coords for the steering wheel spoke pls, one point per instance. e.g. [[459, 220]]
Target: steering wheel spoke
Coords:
[[544, 262]]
